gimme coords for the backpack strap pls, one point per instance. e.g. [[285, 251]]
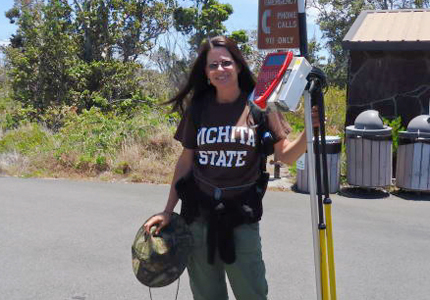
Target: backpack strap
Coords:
[[196, 112], [264, 136]]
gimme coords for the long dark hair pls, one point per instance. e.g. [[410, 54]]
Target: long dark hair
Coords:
[[197, 85]]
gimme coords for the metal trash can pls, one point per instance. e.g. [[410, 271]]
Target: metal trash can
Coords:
[[334, 147], [369, 151], [413, 155]]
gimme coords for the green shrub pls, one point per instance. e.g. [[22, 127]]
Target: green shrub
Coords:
[[93, 139], [396, 125], [335, 112], [92, 134], [12, 114], [122, 168], [27, 139], [101, 163]]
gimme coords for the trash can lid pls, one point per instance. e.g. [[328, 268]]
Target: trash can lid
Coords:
[[369, 119], [418, 127], [420, 124], [330, 139], [333, 144], [369, 123]]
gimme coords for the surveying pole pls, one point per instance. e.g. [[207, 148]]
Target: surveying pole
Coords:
[[322, 229], [316, 236], [281, 82]]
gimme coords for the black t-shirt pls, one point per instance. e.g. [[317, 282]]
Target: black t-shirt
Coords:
[[225, 144]]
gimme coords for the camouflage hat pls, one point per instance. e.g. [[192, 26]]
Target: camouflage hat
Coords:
[[158, 260]]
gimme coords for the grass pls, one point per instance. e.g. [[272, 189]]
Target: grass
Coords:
[[135, 161], [138, 147], [91, 145]]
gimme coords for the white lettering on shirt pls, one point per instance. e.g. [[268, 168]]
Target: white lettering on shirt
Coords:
[[239, 161], [242, 134], [223, 132], [222, 158], [221, 162], [224, 135], [233, 132], [200, 135], [213, 155], [251, 138], [208, 138], [203, 157], [231, 155]]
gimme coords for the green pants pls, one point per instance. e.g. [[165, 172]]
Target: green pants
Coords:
[[246, 275]]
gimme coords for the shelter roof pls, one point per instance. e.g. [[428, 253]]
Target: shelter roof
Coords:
[[394, 30]]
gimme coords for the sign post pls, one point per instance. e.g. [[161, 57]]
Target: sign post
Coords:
[[282, 25], [303, 29]]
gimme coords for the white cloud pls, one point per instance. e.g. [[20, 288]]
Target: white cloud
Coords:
[[4, 43], [311, 14]]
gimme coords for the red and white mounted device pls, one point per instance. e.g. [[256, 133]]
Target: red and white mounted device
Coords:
[[271, 73], [281, 82]]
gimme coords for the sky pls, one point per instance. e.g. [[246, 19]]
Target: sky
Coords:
[[6, 29], [245, 16]]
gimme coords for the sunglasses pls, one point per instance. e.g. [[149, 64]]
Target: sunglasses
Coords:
[[224, 64]]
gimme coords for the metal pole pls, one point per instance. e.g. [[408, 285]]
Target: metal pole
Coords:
[[302, 29], [310, 152], [321, 225], [327, 201], [312, 192]]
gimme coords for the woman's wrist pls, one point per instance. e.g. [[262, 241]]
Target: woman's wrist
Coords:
[[167, 211]]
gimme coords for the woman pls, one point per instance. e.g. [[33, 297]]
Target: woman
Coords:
[[219, 176]]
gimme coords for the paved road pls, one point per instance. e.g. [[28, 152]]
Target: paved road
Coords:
[[66, 240]]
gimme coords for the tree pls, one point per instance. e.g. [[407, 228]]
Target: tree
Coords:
[[169, 63], [126, 28], [314, 48], [40, 53], [336, 17], [82, 54], [2, 74], [242, 39], [202, 20]]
